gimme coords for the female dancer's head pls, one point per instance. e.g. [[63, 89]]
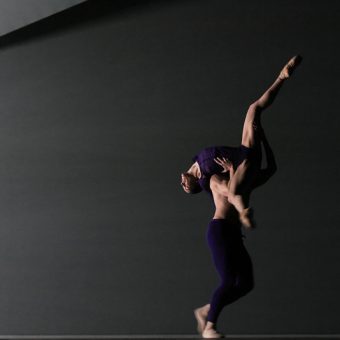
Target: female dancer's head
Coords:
[[190, 183]]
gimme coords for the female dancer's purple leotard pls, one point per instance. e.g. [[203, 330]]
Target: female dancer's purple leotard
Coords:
[[209, 167]]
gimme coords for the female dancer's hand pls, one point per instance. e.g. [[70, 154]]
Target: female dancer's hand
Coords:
[[224, 163]]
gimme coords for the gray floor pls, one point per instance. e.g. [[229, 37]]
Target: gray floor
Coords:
[[175, 336]]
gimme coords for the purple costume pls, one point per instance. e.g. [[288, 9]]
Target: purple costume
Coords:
[[209, 167]]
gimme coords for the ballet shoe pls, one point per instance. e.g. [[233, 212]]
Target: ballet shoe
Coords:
[[247, 218], [289, 67], [211, 334]]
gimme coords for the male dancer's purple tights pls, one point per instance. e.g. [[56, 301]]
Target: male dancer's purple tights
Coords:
[[232, 262]]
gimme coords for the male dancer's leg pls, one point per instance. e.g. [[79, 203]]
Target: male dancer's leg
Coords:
[[233, 264]]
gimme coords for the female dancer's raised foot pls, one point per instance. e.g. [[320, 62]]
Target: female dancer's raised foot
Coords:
[[289, 67]]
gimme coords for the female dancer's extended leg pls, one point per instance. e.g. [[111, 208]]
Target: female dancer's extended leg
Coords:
[[239, 184]]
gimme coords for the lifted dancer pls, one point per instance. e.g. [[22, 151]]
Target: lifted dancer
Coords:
[[244, 160]]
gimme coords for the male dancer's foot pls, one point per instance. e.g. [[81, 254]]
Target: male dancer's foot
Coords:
[[210, 332], [289, 67], [201, 317]]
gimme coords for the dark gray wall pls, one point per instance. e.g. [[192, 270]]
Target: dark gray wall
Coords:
[[101, 111]]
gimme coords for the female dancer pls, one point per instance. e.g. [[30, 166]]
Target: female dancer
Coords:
[[245, 159], [229, 254]]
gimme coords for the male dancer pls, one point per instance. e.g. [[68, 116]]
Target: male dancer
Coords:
[[229, 254]]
